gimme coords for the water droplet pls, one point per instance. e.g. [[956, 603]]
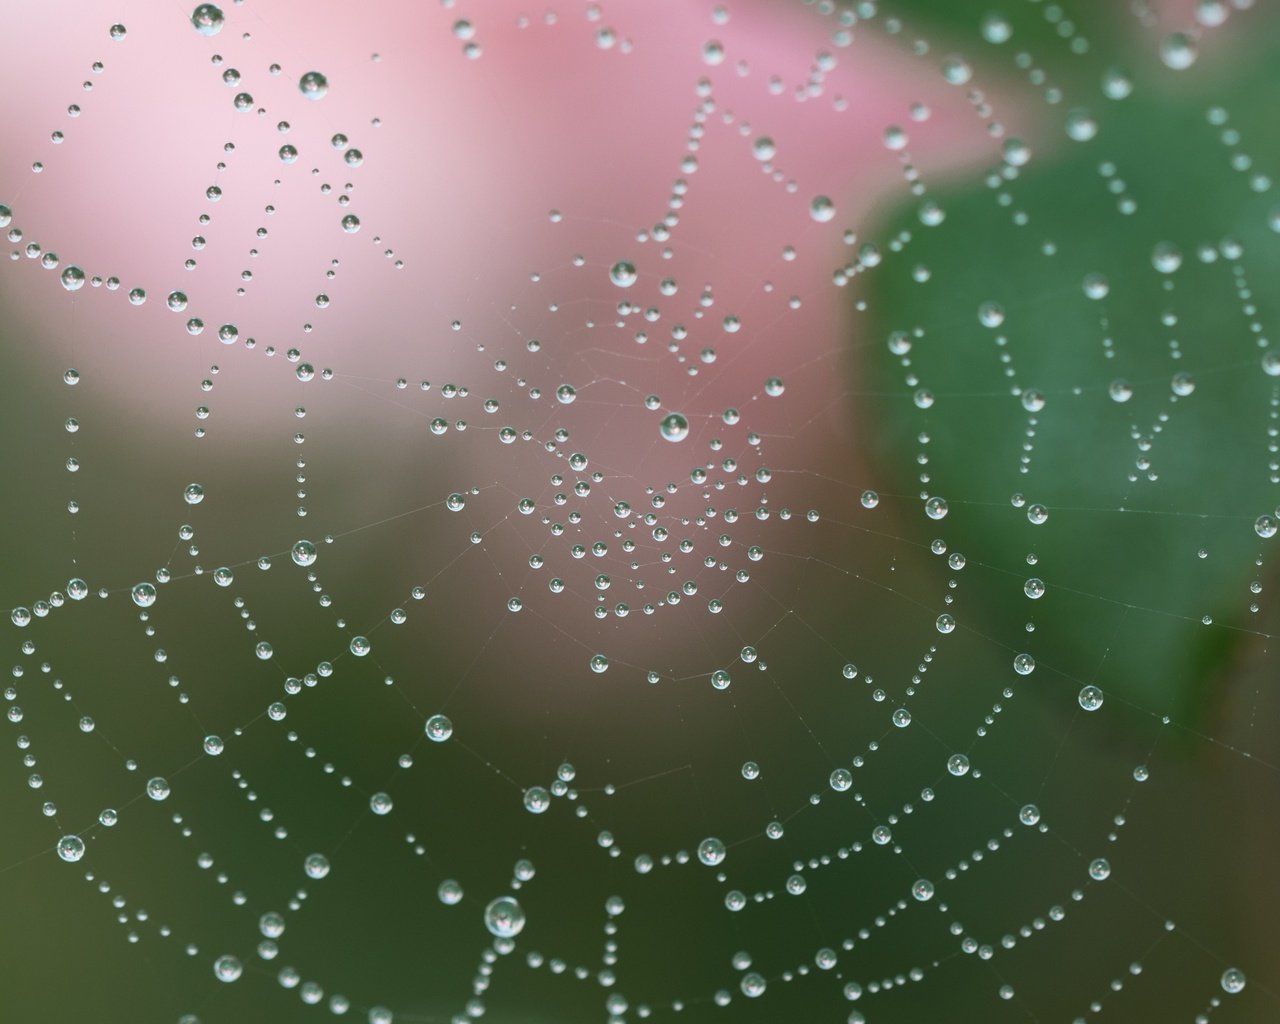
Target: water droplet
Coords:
[[71, 848], [674, 427], [1096, 286], [207, 19], [504, 917], [313, 85], [996, 28], [623, 274], [990, 314], [1116, 84], [449, 892], [1120, 390], [753, 985], [711, 851], [1166, 257], [1016, 152], [1178, 51], [438, 728], [956, 70], [303, 553], [1081, 125], [227, 968], [822, 209]]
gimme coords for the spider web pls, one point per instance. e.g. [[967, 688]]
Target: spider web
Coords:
[[676, 512]]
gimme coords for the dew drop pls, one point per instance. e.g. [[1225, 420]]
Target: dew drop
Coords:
[[144, 595], [822, 209], [303, 553], [71, 848], [996, 28], [504, 917], [313, 85], [449, 892], [1178, 51], [227, 968], [956, 70], [316, 866], [711, 851], [207, 19], [674, 427], [438, 728], [623, 274]]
